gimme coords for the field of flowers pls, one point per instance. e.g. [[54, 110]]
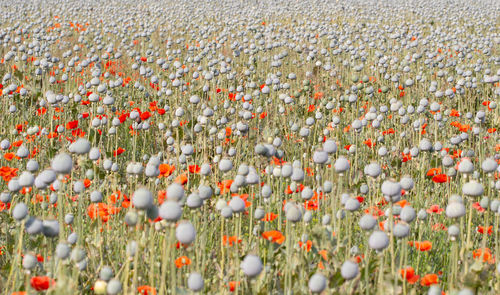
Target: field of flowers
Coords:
[[249, 147]]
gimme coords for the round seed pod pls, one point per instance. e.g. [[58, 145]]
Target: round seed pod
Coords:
[[407, 183], [266, 191], [307, 193], [330, 146], [26, 179], [237, 204], [80, 147], [286, 170], [473, 189], [367, 222], [131, 218], [251, 265], [142, 198], [68, 218], [422, 214], [373, 170], [114, 287], [195, 282], [297, 174], [50, 228], [226, 212], [341, 165], [391, 188], [453, 231], [225, 165], [95, 196], [62, 251], [94, 154], [170, 211], [100, 287], [20, 211], [408, 214], [13, 185], [320, 157], [34, 226], [194, 201], [106, 273], [465, 167], [401, 230], [175, 192], [293, 213], [205, 192], [489, 165], [29, 261], [185, 233], [378, 240], [326, 219], [327, 186], [349, 270], [62, 163], [317, 283], [352, 204]]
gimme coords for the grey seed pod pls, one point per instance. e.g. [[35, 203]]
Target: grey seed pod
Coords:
[[293, 214], [349, 270], [237, 204], [142, 198], [34, 226], [62, 163], [367, 222], [401, 230], [317, 283], [352, 204], [195, 282], [185, 233], [205, 192], [226, 212], [320, 157], [194, 201], [225, 165], [307, 217], [131, 218], [170, 211], [175, 192], [20, 211], [330, 146], [114, 287], [95, 196], [251, 265], [80, 147], [62, 251], [378, 240], [341, 165], [259, 213], [29, 261], [373, 170], [408, 214], [106, 273], [473, 189], [422, 214], [307, 193], [453, 231]]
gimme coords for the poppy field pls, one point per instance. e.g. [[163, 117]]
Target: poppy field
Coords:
[[249, 147]]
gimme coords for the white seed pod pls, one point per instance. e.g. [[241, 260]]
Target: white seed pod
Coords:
[[50, 228], [237, 204], [106, 273], [225, 165], [13, 185], [408, 214], [175, 192], [194, 201], [142, 198], [317, 283], [22, 152], [80, 147], [34, 226], [251, 265], [349, 270], [455, 210], [401, 230], [114, 287], [407, 183], [20, 211], [29, 261], [293, 213], [32, 165], [391, 188], [489, 165], [185, 233], [465, 166], [330, 146], [373, 170], [454, 231], [62, 163], [378, 240], [26, 179], [94, 154], [320, 157], [473, 189], [367, 222], [95, 196], [352, 204], [422, 214], [170, 211], [62, 251], [286, 170], [341, 165], [297, 174], [195, 282]]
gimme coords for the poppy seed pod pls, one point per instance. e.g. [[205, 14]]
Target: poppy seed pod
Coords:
[[378, 240], [34, 226], [80, 147], [465, 166], [407, 183], [185, 233], [195, 282], [50, 228], [352, 204], [455, 210], [317, 283], [472, 189], [205, 192], [489, 165], [175, 192], [29, 261], [373, 170], [454, 231], [401, 230], [237, 204], [142, 198], [297, 174], [20, 211], [349, 270], [367, 222], [170, 211], [114, 287], [341, 165], [251, 265], [62, 163], [62, 251], [391, 188], [293, 213], [320, 157], [106, 273]]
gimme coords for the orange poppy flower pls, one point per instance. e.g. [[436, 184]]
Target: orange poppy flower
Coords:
[[422, 246], [194, 169], [429, 279], [433, 171], [435, 209], [274, 236], [409, 275], [9, 156], [166, 170], [480, 229], [181, 261], [225, 185], [269, 216], [306, 246], [146, 290], [231, 240], [485, 254], [41, 283], [233, 285], [441, 178], [181, 179]]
